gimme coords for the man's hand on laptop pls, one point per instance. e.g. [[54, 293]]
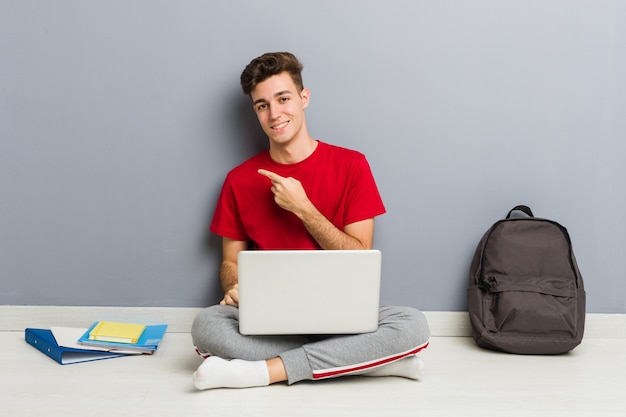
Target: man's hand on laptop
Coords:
[[231, 296]]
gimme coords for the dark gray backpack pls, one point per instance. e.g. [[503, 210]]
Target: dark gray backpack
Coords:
[[526, 293]]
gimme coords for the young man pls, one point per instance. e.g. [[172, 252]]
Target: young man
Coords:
[[299, 194]]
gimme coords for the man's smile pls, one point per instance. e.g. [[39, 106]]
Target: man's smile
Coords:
[[280, 126]]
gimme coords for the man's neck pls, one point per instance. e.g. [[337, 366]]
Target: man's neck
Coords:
[[293, 152]]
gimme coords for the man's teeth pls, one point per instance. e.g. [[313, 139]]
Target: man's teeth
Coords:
[[280, 126]]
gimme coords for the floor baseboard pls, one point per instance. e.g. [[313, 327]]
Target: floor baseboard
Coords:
[[179, 319]]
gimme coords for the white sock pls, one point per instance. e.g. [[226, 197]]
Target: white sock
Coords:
[[216, 372], [410, 367]]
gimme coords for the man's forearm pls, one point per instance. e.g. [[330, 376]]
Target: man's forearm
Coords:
[[228, 275], [326, 234]]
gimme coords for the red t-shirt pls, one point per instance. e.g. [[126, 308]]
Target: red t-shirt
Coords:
[[338, 182]]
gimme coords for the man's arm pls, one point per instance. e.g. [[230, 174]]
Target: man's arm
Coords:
[[358, 235], [290, 195], [228, 270]]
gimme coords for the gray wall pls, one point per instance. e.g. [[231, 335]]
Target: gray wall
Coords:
[[119, 120]]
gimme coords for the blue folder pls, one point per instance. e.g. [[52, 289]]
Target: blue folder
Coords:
[[44, 341]]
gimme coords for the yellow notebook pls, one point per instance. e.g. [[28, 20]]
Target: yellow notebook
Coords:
[[110, 331]]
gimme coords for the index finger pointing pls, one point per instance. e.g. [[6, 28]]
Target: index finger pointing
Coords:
[[271, 175]]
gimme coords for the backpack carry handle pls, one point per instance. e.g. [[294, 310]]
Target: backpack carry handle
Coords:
[[525, 209]]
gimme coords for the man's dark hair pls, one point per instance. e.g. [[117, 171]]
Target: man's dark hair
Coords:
[[268, 65]]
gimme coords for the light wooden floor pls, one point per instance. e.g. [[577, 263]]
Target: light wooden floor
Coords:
[[460, 380]]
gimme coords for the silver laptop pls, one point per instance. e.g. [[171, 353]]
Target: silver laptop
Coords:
[[309, 291]]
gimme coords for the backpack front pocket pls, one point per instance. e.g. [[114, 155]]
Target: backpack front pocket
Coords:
[[530, 306]]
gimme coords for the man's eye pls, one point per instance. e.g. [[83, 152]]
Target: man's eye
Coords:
[[261, 107], [284, 99]]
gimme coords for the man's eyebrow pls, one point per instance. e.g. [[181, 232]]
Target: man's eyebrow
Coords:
[[280, 93]]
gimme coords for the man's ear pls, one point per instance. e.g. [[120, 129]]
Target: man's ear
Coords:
[[305, 95]]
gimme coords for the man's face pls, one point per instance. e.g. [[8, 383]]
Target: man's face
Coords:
[[280, 108]]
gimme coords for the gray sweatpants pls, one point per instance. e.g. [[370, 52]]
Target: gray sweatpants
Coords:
[[402, 331]]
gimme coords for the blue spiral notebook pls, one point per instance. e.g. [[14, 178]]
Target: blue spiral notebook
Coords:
[[147, 343]]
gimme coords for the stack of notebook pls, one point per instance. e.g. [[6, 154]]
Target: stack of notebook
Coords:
[[103, 340]]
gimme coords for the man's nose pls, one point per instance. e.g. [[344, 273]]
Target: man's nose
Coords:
[[274, 112]]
